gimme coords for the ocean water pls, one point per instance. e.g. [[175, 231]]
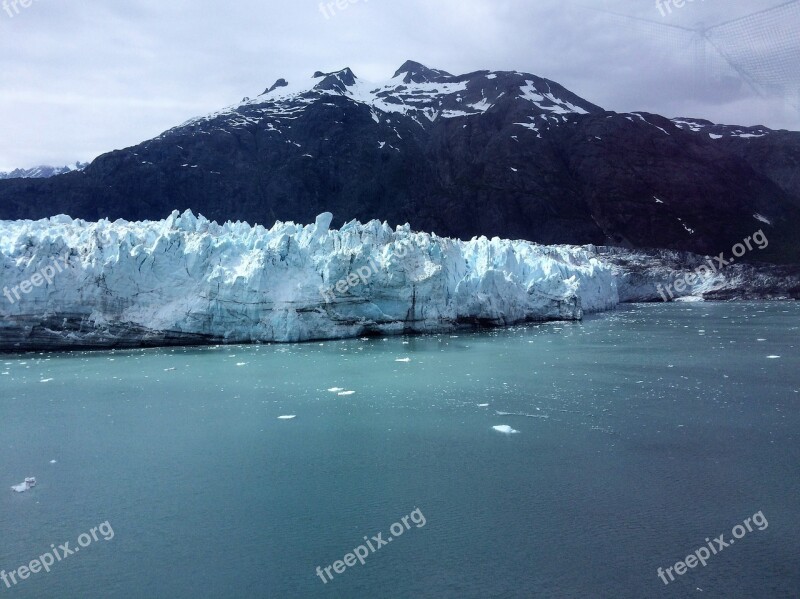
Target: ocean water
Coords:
[[640, 434]]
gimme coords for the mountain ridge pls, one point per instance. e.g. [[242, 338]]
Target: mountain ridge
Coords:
[[495, 153]]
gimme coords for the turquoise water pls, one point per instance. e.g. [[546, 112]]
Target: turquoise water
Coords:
[[641, 433]]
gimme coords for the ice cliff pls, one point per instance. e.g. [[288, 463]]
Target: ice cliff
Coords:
[[71, 283]]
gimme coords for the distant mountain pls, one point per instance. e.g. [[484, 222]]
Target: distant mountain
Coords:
[[505, 154], [42, 172]]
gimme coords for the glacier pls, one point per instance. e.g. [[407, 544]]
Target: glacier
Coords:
[[190, 280], [69, 283]]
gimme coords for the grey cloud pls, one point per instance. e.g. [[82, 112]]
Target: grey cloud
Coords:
[[80, 79]]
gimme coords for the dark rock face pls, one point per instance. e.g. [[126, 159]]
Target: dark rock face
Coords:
[[499, 154]]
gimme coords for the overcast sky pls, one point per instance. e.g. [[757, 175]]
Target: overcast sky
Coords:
[[80, 79]]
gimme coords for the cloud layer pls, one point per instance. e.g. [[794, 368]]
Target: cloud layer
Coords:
[[80, 79]]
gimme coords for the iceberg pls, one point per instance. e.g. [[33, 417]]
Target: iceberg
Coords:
[[28, 484], [71, 283], [505, 429]]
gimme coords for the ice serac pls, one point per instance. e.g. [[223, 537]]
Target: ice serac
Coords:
[[190, 280]]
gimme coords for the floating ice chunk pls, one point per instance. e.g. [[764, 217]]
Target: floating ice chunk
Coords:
[[169, 369], [29, 483], [525, 414], [347, 393], [505, 429], [53, 462], [241, 363], [483, 405], [403, 360], [45, 380], [772, 357], [288, 417], [336, 389]]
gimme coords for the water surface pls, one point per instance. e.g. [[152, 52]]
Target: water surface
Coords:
[[641, 433]]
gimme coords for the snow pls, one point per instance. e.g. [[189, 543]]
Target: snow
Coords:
[[686, 227], [43, 172], [430, 100], [547, 101], [649, 123], [242, 283], [530, 126], [763, 219], [692, 125]]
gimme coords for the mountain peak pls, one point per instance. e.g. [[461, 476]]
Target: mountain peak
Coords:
[[43, 171], [418, 73], [279, 83], [338, 80]]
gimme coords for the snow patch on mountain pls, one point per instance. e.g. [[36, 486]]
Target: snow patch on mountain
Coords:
[[414, 90]]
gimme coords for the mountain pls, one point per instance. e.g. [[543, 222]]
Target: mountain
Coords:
[[504, 154], [42, 172]]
